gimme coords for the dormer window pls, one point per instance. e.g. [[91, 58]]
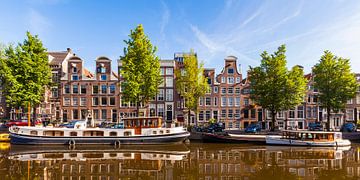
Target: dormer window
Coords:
[[102, 70], [103, 77]]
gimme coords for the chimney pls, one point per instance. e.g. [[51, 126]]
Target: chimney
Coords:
[[69, 50]]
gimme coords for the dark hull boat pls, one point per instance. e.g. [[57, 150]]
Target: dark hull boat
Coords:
[[233, 138]]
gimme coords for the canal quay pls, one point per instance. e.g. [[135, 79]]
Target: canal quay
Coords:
[[209, 161]]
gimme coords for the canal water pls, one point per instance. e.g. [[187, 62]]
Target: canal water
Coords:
[[191, 161]]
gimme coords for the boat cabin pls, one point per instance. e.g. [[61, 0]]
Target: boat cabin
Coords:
[[311, 135], [142, 122]]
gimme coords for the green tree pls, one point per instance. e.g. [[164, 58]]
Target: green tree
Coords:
[[335, 82], [274, 87], [140, 69], [191, 83], [25, 72]]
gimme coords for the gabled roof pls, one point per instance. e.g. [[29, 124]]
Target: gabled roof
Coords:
[[57, 57]]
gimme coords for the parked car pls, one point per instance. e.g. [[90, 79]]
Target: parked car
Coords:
[[23, 122], [315, 126], [253, 128], [348, 127], [215, 127]]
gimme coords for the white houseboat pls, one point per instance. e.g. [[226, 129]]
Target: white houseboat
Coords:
[[308, 138], [140, 130]]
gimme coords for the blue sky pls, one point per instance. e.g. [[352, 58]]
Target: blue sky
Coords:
[[213, 28]]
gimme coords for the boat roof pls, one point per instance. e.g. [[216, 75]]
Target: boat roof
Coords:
[[312, 132]]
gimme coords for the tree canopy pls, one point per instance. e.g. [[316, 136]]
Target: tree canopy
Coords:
[[25, 72], [140, 68], [335, 82], [273, 86], [191, 82]]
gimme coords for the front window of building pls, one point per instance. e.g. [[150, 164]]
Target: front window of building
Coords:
[[75, 114], [103, 114], [223, 113], [237, 101], [169, 71], [292, 113], [160, 110], [208, 101], [95, 89], [160, 96], [75, 89], [300, 112], [95, 101], [169, 81], [112, 88], [201, 115], [231, 101], [237, 90], [75, 101], [237, 79], [75, 77], [223, 101], [67, 89], [350, 114], [230, 80], [246, 101], [223, 80], [103, 89], [169, 94], [217, 88], [112, 101], [215, 101], [230, 70], [207, 115], [230, 113], [82, 101], [223, 90], [83, 89], [54, 92], [201, 101], [66, 101], [161, 71], [103, 101], [230, 90]]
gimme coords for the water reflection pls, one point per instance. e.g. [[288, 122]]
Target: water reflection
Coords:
[[194, 161]]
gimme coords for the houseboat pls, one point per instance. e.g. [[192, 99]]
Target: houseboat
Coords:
[[308, 138], [139, 130]]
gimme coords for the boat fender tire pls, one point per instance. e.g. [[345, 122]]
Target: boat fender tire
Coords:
[[117, 143], [72, 142]]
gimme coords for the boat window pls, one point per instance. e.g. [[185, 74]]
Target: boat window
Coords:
[[34, 133], [73, 133], [113, 133], [53, 133], [93, 133], [167, 131], [154, 132], [127, 133], [161, 132]]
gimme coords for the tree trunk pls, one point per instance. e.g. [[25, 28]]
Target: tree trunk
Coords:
[[137, 109], [34, 114], [328, 119], [189, 117], [273, 120]]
